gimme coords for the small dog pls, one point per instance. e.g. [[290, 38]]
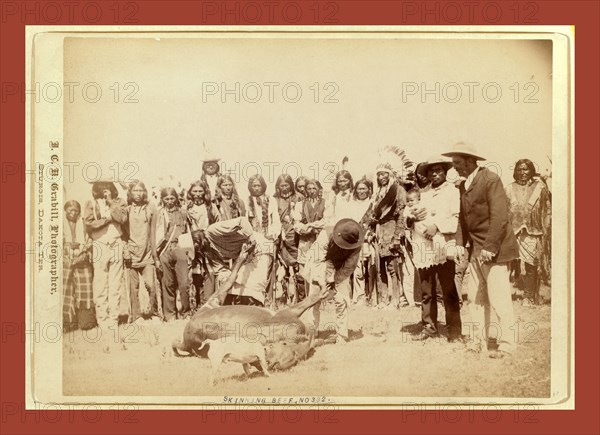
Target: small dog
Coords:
[[244, 352]]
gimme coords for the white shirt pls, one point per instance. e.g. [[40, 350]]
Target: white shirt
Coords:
[[110, 232], [443, 206], [338, 206], [253, 277], [358, 208], [211, 180], [471, 177]]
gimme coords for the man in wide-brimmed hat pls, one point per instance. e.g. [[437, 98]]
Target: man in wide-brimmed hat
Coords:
[[431, 242], [329, 264], [485, 225]]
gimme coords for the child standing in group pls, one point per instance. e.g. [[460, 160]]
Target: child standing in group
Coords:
[[169, 225]]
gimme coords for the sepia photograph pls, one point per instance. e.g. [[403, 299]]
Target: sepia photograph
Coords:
[[359, 216]]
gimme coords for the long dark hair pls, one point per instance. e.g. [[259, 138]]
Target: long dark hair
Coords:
[[235, 197], [260, 179], [315, 183], [265, 208], [204, 185], [284, 178], [130, 189], [421, 179], [99, 187], [166, 191], [299, 179], [207, 199], [319, 187], [530, 166], [337, 255], [343, 173], [366, 182]]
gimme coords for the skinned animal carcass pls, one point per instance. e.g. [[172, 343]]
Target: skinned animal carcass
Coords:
[[286, 337]]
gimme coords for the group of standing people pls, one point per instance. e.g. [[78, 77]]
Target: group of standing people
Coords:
[[368, 242]]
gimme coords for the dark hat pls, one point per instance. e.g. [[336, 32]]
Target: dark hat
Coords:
[[464, 149], [348, 234], [436, 160]]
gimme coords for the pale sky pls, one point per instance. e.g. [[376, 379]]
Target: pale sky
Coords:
[[163, 132]]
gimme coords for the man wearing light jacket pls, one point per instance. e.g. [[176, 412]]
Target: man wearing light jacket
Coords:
[[485, 225]]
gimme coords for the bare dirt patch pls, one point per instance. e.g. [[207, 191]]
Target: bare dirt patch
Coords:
[[380, 360]]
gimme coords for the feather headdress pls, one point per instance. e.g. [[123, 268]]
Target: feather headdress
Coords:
[[393, 160]]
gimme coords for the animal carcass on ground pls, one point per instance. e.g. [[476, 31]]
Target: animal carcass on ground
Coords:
[[286, 335]]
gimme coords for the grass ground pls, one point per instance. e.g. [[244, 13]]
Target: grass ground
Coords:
[[380, 360]]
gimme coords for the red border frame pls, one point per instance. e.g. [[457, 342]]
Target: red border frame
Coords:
[[584, 15]]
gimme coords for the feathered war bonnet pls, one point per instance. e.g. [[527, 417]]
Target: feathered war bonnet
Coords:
[[394, 161]]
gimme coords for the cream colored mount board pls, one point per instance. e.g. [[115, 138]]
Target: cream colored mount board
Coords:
[[151, 103]]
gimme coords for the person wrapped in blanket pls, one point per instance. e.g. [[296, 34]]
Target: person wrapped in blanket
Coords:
[[78, 274], [388, 224], [530, 211]]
